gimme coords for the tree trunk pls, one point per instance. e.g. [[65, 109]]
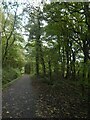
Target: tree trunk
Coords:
[[74, 59], [42, 59], [63, 63], [37, 59], [67, 56], [50, 71], [86, 43], [85, 51]]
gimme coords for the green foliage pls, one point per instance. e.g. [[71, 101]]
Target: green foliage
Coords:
[[13, 58], [9, 74], [58, 40]]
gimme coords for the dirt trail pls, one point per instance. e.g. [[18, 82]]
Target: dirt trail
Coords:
[[27, 98], [19, 99]]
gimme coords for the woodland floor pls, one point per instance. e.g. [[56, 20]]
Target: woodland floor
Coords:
[[30, 98]]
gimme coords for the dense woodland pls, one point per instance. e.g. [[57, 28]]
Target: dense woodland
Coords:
[[58, 39], [57, 45], [50, 41]]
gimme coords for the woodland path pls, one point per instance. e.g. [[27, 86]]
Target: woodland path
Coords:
[[27, 98], [19, 99]]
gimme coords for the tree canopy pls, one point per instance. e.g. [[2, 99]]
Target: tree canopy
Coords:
[[53, 38]]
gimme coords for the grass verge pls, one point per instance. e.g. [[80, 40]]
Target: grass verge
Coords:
[[10, 83]]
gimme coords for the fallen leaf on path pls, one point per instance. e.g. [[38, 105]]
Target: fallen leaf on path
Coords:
[[7, 112]]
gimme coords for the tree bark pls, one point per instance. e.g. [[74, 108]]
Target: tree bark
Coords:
[[50, 71], [42, 59], [37, 58], [86, 43]]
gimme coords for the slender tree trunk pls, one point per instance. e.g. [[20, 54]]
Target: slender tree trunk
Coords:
[[67, 56], [42, 59], [63, 62], [59, 46], [85, 51], [37, 46], [50, 71], [74, 59], [56, 68], [37, 59], [5, 53], [86, 43]]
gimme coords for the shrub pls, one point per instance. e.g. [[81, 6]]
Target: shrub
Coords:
[[8, 74]]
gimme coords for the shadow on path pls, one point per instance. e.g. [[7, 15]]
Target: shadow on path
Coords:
[[19, 99]]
